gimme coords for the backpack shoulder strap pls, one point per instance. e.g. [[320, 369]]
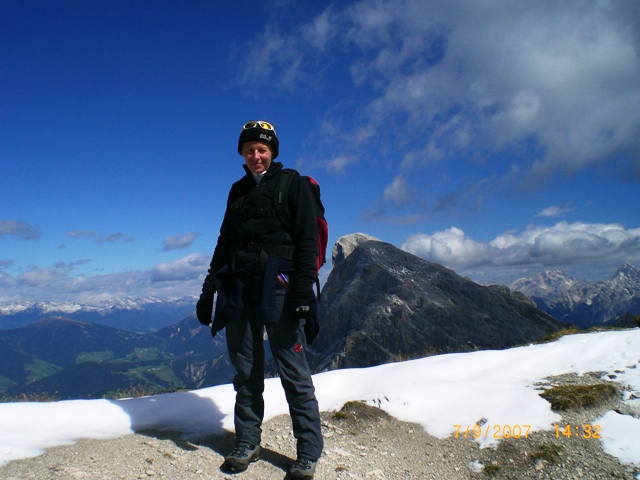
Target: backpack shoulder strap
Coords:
[[280, 197]]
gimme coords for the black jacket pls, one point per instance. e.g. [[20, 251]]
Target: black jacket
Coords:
[[250, 217]]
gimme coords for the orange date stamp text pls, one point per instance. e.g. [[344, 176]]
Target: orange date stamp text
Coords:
[[492, 431]]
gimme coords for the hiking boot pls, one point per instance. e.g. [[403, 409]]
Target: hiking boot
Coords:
[[302, 469], [240, 458]]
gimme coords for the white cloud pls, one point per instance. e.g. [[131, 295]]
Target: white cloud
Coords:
[[111, 238], [321, 30], [81, 233], [5, 279], [67, 267], [188, 268], [566, 74], [114, 238], [339, 164], [555, 210], [564, 245], [467, 75], [20, 229], [450, 247], [178, 242], [397, 192], [272, 53], [178, 278]]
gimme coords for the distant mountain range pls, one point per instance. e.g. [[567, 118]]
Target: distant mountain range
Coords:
[[133, 314], [582, 303], [73, 359]]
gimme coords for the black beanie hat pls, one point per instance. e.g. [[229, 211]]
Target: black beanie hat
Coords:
[[259, 131]]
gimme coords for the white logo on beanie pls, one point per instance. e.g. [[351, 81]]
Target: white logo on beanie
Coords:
[[268, 138]]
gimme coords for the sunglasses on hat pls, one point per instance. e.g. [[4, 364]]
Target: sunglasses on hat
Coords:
[[260, 123]]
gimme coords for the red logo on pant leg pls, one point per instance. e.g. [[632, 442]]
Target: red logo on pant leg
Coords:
[[297, 348]]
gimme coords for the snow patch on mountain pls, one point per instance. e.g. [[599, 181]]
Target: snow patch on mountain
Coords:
[[105, 306]]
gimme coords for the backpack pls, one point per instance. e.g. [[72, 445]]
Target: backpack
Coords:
[[280, 205]]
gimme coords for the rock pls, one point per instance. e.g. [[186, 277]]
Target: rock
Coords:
[[627, 321], [347, 244], [630, 407]]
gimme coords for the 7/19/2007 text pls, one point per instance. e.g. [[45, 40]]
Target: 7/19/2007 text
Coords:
[[492, 431]]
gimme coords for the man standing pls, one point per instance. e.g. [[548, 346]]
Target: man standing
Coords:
[[263, 270]]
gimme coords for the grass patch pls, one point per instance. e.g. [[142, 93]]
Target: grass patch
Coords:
[[139, 390], [356, 411], [349, 409], [6, 383], [155, 374], [549, 452], [142, 390], [142, 354], [565, 397], [491, 468], [94, 356], [165, 375], [354, 404], [552, 337], [32, 397], [40, 369]]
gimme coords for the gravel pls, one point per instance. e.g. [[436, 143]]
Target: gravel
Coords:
[[362, 442]]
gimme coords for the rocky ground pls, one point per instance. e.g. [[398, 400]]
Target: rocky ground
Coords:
[[361, 442]]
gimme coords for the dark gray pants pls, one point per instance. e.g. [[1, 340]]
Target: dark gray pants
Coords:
[[246, 352]]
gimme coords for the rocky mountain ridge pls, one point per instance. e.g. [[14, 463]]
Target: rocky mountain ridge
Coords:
[[550, 282], [581, 303], [381, 304]]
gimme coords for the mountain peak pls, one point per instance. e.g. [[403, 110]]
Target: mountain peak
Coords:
[[381, 304], [626, 269], [56, 319], [544, 284], [347, 244]]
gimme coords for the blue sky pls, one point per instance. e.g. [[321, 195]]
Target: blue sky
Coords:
[[497, 138]]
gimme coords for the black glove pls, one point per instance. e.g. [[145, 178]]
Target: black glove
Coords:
[[307, 310], [204, 308], [303, 309]]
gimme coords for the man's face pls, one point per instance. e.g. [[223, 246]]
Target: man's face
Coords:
[[257, 156]]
